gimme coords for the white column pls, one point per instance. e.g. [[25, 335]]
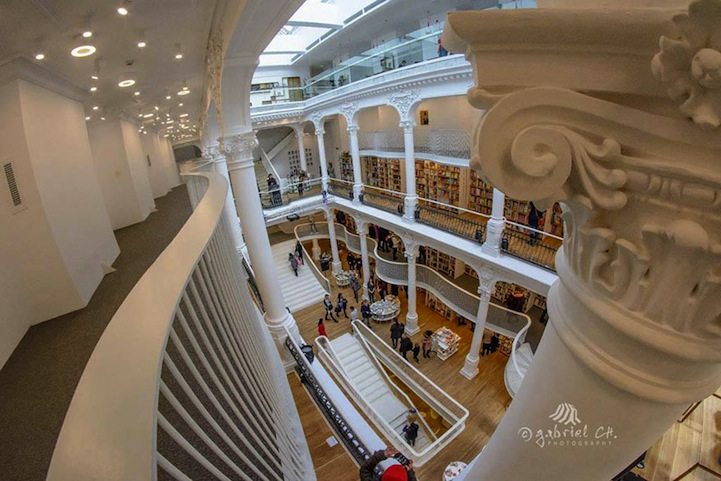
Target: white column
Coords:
[[355, 155], [362, 231], [319, 133], [495, 225], [231, 215], [238, 150], [487, 280], [410, 163], [299, 135], [411, 315], [337, 265]]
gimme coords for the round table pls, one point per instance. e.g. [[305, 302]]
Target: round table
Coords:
[[386, 309], [342, 279], [453, 470]]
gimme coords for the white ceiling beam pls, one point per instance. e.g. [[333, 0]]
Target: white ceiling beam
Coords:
[[315, 24]]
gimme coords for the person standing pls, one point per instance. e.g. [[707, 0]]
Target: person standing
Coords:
[[366, 313], [486, 343], [293, 263], [321, 328], [534, 218], [406, 345], [299, 252], [395, 334], [416, 351], [355, 285], [371, 290], [410, 432], [328, 308], [395, 245], [427, 345], [382, 289], [495, 342], [383, 464], [341, 305]]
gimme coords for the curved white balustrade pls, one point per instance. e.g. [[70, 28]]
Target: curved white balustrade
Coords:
[[185, 368], [464, 303], [324, 282]]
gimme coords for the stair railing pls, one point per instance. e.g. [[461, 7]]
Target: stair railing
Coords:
[[350, 440], [330, 359], [323, 280], [441, 402], [517, 342]]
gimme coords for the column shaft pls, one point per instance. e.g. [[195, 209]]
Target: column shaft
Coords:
[[364, 256], [301, 149], [322, 159], [337, 266], [411, 315], [495, 225], [355, 155], [470, 367], [410, 163], [229, 212]]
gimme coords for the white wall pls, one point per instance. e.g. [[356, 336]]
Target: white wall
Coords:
[[113, 172], [172, 170], [157, 170], [138, 166], [453, 113], [59, 149]]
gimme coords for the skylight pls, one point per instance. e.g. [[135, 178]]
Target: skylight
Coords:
[[313, 21]]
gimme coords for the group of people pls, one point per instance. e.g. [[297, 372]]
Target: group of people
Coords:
[[274, 188], [401, 341], [296, 258], [391, 243]]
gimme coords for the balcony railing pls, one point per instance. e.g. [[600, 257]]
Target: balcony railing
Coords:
[[457, 220], [530, 244], [280, 196], [439, 142], [463, 302], [415, 47], [186, 379], [341, 188], [384, 199]]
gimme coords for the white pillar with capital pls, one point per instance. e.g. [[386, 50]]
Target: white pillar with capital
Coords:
[[405, 102], [300, 140], [220, 165], [319, 123], [486, 283], [337, 265], [633, 337], [495, 225], [350, 111], [412, 315], [362, 231], [238, 150]]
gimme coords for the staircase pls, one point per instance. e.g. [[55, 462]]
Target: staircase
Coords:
[[299, 292], [513, 379], [373, 386]]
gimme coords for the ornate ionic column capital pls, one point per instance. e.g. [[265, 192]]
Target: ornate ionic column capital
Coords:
[[360, 226], [238, 150], [411, 245], [349, 111], [318, 120], [407, 125], [487, 278], [641, 196], [353, 129], [405, 102]]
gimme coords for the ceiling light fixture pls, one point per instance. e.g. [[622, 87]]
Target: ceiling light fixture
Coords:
[[178, 52], [183, 115], [87, 34], [156, 108], [102, 118], [93, 89], [168, 97], [136, 93], [87, 117], [94, 76], [184, 92], [147, 116], [180, 104], [83, 51], [126, 83], [95, 107], [39, 56], [123, 8]]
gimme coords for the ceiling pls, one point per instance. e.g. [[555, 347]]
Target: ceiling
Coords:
[[167, 26]]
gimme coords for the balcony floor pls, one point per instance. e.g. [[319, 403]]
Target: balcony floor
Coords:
[[38, 381]]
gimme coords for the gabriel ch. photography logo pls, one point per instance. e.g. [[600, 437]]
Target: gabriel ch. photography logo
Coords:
[[568, 430]]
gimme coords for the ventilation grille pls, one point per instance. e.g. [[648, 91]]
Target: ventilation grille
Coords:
[[12, 185]]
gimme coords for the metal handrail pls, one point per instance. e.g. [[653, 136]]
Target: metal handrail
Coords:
[[352, 442], [520, 337]]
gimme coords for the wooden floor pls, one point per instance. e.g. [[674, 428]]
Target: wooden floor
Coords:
[[689, 451], [485, 397]]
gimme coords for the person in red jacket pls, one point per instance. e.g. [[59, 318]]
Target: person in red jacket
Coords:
[[384, 466], [321, 328]]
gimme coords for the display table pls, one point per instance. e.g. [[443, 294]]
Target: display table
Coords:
[[386, 309], [342, 279], [445, 343], [453, 470]]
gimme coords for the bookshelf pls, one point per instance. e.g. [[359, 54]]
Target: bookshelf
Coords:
[[480, 195], [442, 183], [345, 161], [383, 173], [441, 262]]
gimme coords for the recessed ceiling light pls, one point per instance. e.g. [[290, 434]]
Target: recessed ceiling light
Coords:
[[87, 117], [126, 83], [87, 34], [184, 92], [147, 116], [39, 56], [142, 44], [83, 51], [123, 8], [102, 118], [95, 107], [93, 89], [178, 56], [94, 76], [183, 115], [169, 121], [180, 104], [140, 115], [137, 92], [168, 97], [156, 108]]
